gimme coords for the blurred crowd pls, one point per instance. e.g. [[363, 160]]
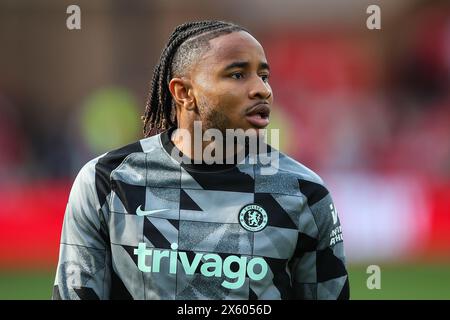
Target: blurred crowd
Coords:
[[358, 105]]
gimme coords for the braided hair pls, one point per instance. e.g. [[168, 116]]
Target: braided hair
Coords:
[[186, 44]]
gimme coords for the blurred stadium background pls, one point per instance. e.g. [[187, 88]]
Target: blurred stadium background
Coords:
[[369, 110]]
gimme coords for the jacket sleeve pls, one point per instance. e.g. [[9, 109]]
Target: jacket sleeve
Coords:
[[83, 270], [318, 266]]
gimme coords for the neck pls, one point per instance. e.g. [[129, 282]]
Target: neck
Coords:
[[201, 148]]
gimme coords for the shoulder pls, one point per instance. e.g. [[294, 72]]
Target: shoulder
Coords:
[[114, 158], [309, 183], [104, 164], [297, 169], [94, 176], [320, 219]]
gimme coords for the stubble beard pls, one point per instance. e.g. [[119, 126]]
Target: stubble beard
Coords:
[[212, 117]]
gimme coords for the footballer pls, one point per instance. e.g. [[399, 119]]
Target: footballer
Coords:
[[151, 220]]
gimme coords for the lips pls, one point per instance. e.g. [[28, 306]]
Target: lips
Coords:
[[258, 115]]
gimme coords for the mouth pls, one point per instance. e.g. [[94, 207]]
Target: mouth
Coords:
[[258, 115]]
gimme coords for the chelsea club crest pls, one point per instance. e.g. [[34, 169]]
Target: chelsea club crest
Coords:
[[253, 217]]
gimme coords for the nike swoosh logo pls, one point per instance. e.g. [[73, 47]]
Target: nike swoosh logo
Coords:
[[142, 213]]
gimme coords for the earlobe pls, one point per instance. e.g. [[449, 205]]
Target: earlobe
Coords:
[[191, 104]]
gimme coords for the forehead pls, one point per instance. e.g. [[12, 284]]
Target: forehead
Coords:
[[232, 47]]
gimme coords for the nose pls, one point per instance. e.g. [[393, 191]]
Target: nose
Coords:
[[259, 89]]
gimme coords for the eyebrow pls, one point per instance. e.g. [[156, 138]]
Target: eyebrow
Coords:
[[245, 64]]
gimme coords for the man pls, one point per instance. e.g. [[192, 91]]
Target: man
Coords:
[[152, 220]]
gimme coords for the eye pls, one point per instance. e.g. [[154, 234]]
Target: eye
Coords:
[[265, 77], [237, 75]]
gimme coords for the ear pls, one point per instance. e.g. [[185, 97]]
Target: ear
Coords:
[[182, 93]]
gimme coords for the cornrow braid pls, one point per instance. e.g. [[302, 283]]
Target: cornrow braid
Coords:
[[183, 46]]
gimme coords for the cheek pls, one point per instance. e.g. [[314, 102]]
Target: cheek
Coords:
[[223, 96], [229, 99], [232, 105], [224, 99]]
